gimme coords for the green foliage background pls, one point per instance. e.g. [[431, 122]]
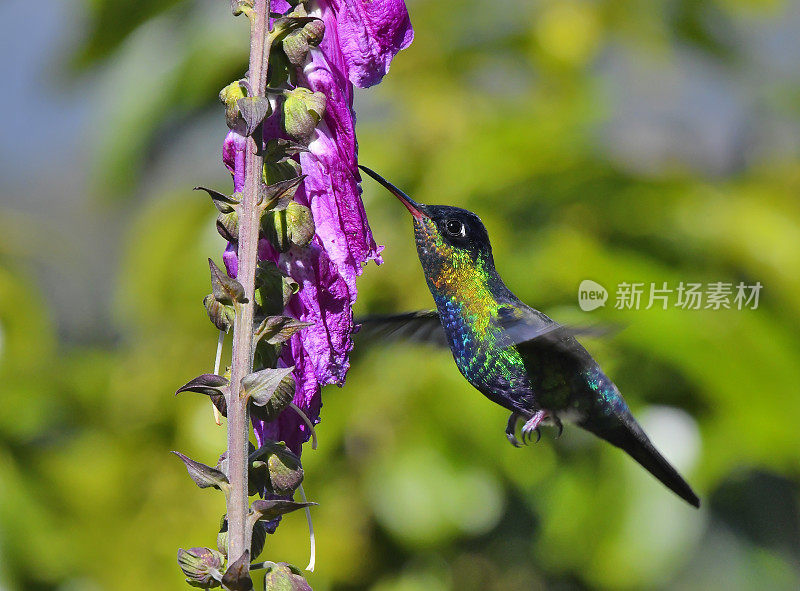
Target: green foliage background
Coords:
[[500, 107]]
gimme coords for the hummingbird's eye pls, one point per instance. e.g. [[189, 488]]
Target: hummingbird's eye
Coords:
[[455, 228]]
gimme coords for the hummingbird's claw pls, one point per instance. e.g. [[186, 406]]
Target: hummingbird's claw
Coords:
[[533, 426], [511, 428], [558, 425], [513, 440], [526, 435]]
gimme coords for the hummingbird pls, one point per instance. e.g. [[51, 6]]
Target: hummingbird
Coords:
[[513, 354]]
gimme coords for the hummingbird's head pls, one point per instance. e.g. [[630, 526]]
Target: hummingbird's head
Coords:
[[448, 238]]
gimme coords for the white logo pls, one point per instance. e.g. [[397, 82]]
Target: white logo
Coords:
[[591, 295]]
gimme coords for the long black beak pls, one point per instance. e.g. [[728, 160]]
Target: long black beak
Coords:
[[412, 206]]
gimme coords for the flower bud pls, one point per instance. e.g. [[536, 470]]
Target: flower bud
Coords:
[[302, 110], [273, 224], [229, 96], [295, 46], [299, 224], [285, 472], [314, 32], [201, 566], [284, 577]]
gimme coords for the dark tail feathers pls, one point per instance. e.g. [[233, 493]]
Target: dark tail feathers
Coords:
[[630, 437]]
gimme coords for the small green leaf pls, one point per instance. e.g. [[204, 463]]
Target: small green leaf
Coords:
[[222, 202], [237, 577], [253, 109], [225, 290], [221, 316], [277, 196], [279, 149], [207, 383], [228, 226], [271, 390], [213, 386], [204, 476], [278, 329], [269, 509]]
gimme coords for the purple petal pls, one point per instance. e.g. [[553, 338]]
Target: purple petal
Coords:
[[369, 34], [319, 352]]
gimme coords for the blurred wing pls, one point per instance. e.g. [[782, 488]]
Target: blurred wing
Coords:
[[413, 327], [523, 324]]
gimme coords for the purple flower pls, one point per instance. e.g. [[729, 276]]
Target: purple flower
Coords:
[[361, 38], [233, 155]]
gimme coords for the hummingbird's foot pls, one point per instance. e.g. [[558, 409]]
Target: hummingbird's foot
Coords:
[[558, 425], [532, 426], [511, 429]]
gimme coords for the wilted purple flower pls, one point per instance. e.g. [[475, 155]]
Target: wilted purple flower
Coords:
[[361, 38]]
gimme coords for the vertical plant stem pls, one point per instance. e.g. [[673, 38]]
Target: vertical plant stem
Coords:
[[242, 362]]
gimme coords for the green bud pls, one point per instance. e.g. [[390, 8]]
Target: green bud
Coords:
[[297, 43], [293, 225], [302, 110], [275, 172], [285, 470], [229, 96], [295, 46], [285, 473], [273, 225], [201, 566], [284, 577], [242, 7], [299, 224]]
